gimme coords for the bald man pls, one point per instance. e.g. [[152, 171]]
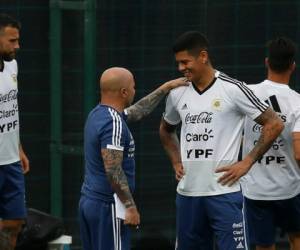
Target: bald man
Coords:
[[109, 160]]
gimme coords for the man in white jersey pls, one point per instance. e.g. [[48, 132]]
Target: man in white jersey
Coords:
[[212, 110], [272, 186], [13, 161]]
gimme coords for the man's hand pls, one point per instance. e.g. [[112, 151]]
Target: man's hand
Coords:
[[146, 105], [24, 161], [132, 216], [234, 172], [167, 86], [179, 171]]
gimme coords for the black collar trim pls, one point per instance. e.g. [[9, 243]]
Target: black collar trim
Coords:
[[207, 88], [2, 66]]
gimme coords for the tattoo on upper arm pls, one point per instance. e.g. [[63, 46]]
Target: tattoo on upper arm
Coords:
[[116, 176], [145, 106]]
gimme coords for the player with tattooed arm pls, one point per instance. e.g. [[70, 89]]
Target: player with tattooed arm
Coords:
[[109, 160]]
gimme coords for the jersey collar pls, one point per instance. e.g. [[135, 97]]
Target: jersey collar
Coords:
[[277, 84], [207, 88]]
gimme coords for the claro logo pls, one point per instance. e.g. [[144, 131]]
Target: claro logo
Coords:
[[203, 117]]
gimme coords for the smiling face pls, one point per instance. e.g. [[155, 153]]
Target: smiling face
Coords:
[[9, 43], [192, 66]]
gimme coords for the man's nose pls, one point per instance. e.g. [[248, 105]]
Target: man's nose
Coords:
[[181, 67], [17, 45]]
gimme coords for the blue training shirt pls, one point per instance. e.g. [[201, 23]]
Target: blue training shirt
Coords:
[[106, 128]]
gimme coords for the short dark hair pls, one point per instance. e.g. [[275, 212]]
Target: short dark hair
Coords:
[[191, 41], [7, 20], [281, 54]]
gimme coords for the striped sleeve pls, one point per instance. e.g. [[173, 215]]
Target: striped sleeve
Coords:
[[113, 136], [244, 97]]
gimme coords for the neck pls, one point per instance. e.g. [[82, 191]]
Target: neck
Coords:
[[207, 77], [113, 103], [282, 78]]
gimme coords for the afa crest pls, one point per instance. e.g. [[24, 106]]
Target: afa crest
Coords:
[[14, 77], [217, 104]]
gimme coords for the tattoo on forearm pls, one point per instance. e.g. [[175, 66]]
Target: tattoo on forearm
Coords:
[[145, 106], [5, 239], [116, 176], [268, 135]]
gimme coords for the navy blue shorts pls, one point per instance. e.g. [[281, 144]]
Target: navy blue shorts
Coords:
[[203, 220], [99, 227], [265, 216], [12, 192]]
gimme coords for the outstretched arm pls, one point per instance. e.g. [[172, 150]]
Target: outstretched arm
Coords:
[[272, 127], [146, 105], [171, 145], [113, 166]]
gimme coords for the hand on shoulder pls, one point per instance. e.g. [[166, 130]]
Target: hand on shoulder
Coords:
[[178, 82]]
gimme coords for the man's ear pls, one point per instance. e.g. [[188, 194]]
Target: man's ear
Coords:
[[203, 55], [267, 62], [293, 66], [123, 92]]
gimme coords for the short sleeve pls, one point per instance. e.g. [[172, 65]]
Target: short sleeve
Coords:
[[246, 101], [171, 114], [112, 136]]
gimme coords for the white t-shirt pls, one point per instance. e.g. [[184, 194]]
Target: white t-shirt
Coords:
[[276, 176], [211, 130], [9, 114]]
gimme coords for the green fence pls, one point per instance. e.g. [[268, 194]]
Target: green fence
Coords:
[[63, 53]]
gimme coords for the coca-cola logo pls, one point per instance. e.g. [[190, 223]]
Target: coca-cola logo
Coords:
[[203, 117], [12, 95]]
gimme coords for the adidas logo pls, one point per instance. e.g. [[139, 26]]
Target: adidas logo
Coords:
[[184, 107], [240, 245]]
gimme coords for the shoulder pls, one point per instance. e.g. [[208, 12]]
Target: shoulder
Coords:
[[11, 66], [295, 93], [107, 113], [177, 93], [179, 90], [103, 114], [232, 85], [104, 117], [295, 96], [228, 81], [256, 87]]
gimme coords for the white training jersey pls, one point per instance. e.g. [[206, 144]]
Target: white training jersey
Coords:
[[211, 130], [9, 114], [276, 175]]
